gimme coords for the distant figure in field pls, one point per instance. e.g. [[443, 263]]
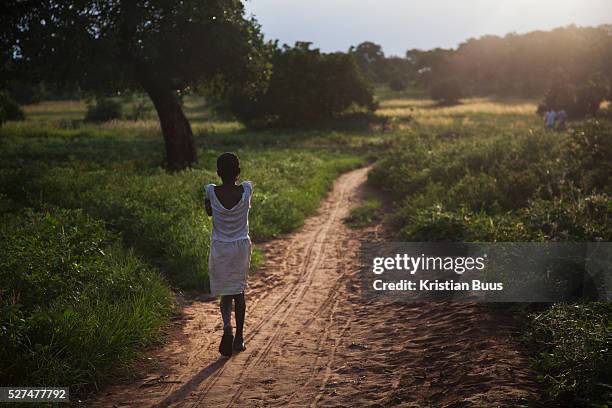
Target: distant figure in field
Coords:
[[561, 119], [549, 119], [230, 248]]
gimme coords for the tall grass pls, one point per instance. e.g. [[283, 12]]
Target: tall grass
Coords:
[[75, 303], [95, 231]]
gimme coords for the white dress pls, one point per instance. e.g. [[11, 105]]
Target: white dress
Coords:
[[230, 248]]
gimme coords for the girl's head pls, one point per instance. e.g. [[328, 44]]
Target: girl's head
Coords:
[[228, 167]]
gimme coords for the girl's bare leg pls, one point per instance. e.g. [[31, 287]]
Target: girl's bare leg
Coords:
[[239, 310], [225, 305]]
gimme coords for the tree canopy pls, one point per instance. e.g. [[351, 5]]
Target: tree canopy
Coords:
[[511, 65], [306, 87], [160, 46]]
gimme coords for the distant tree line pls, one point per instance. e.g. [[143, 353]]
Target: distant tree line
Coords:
[[523, 65], [60, 49]]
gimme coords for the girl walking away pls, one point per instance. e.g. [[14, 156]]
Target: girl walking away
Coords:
[[230, 248]]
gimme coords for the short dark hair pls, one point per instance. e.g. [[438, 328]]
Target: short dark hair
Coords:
[[228, 166]]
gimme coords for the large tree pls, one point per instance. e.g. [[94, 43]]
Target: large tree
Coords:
[[371, 61], [307, 87], [160, 46]]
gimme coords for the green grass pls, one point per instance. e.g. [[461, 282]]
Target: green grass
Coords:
[[107, 231], [480, 174], [572, 343], [484, 170], [74, 301], [364, 214]]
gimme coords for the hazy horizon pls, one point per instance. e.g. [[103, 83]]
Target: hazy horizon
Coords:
[[399, 25]]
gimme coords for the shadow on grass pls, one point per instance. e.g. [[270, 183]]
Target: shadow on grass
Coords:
[[288, 135]]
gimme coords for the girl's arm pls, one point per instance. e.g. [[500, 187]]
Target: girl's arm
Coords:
[[207, 204], [208, 207]]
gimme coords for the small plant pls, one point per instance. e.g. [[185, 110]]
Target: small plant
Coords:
[[103, 110], [364, 214]]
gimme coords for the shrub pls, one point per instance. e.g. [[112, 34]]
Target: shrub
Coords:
[[589, 97], [566, 219], [446, 91], [436, 224], [73, 302], [9, 110], [103, 110], [589, 152], [573, 343], [398, 83], [578, 100], [306, 87]]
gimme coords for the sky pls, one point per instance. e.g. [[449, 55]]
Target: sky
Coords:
[[398, 25]]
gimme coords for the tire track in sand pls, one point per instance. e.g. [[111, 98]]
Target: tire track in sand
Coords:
[[312, 340], [259, 344]]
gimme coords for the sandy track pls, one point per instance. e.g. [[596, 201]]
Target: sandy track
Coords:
[[312, 341]]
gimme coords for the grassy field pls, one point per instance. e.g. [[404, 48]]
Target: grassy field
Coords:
[[128, 231], [487, 171], [95, 232]]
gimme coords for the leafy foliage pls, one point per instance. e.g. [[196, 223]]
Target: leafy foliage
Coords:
[[446, 91], [574, 346], [578, 101], [379, 69], [306, 87], [519, 64], [126, 43], [371, 61]]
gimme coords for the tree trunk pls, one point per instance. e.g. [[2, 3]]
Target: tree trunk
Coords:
[[178, 138]]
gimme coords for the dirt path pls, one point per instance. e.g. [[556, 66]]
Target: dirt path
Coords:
[[312, 341]]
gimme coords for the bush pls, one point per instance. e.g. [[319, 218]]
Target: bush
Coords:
[[574, 347], [578, 100], [446, 91], [9, 110], [73, 302], [103, 110], [306, 87], [589, 152], [398, 83]]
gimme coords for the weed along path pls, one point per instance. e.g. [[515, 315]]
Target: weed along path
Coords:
[[313, 341]]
